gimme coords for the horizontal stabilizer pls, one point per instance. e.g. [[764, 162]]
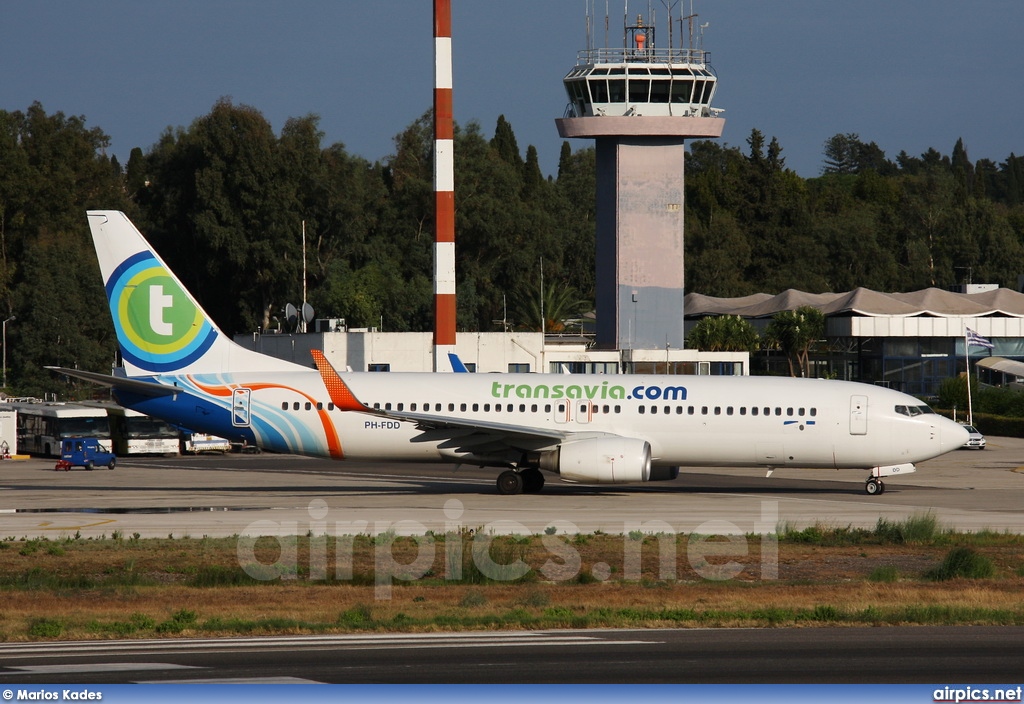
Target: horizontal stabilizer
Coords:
[[136, 386]]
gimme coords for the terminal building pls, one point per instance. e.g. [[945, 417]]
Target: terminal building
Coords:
[[909, 341]]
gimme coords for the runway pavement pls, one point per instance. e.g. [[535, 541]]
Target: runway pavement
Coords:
[[222, 495], [940, 655]]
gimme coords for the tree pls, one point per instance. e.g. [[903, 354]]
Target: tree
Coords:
[[52, 169], [547, 310], [847, 154], [725, 333], [795, 332]]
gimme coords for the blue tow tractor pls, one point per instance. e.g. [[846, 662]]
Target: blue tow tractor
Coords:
[[84, 452]]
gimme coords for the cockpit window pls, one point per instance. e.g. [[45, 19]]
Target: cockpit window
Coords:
[[913, 410]]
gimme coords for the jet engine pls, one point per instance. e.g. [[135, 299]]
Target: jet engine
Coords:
[[601, 461]]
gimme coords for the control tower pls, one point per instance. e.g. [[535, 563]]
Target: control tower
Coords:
[[640, 102]]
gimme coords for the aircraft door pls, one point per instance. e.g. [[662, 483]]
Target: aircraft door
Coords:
[[240, 407], [858, 415]]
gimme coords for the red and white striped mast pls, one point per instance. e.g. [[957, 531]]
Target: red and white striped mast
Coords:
[[444, 189]]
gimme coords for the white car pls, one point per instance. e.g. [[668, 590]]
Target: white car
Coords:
[[975, 440]]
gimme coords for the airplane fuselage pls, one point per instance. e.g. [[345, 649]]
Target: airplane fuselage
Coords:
[[687, 420]]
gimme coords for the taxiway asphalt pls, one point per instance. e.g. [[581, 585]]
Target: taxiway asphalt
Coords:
[[223, 495]]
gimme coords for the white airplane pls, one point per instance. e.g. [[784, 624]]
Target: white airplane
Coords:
[[588, 429]]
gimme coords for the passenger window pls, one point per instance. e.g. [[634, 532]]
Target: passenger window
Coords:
[[703, 410], [743, 410], [330, 406], [487, 407], [319, 405], [476, 407], [387, 406], [753, 411], [654, 409], [295, 406], [412, 406], [690, 410], [533, 408], [789, 411], [718, 410], [801, 413], [728, 411], [522, 408], [814, 412], [462, 407], [401, 406], [547, 408], [778, 411], [618, 409], [284, 406], [640, 410]]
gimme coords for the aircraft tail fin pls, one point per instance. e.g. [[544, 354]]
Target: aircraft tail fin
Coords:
[[160, 327]]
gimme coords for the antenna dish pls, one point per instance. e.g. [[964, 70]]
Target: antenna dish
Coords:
[[307, 313], [291, 314]]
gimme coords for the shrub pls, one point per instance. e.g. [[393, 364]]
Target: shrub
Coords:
[[885, 574], [46, 628], [964, 563]]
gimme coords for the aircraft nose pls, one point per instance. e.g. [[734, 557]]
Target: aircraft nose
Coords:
[[952, 436]]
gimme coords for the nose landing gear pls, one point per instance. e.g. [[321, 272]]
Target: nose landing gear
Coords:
[[874, 486]]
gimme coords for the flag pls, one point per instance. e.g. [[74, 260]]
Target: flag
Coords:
[[977, 340]]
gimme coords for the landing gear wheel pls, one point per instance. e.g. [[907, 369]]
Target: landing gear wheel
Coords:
[[873, 486], [533, 481], [881, 487], [509, 483]]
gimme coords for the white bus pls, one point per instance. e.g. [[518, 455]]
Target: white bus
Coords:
[[41, 426], [135, 433]]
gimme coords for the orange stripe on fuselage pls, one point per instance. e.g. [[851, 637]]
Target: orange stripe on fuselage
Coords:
[[330, 432]]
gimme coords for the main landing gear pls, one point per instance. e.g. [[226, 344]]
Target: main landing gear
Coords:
[[528, 481], [874, 486]]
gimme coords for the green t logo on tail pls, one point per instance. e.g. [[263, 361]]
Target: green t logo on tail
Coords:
[[158, 326]]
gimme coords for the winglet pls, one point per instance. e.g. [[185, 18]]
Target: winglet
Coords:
[[457, 365], [338, 390]]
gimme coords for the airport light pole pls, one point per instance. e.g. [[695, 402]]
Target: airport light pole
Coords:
[[5, 348]]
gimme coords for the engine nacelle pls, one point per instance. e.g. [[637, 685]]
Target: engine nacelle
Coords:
[[601, 461]]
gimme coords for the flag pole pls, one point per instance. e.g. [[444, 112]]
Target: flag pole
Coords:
[[967, 356]]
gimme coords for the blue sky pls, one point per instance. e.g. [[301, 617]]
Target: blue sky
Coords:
[[907, 74]]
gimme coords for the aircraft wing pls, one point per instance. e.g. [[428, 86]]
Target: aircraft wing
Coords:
[[470, 435], [136, 386]]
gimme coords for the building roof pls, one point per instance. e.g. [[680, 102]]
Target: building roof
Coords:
[[929, 302]]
